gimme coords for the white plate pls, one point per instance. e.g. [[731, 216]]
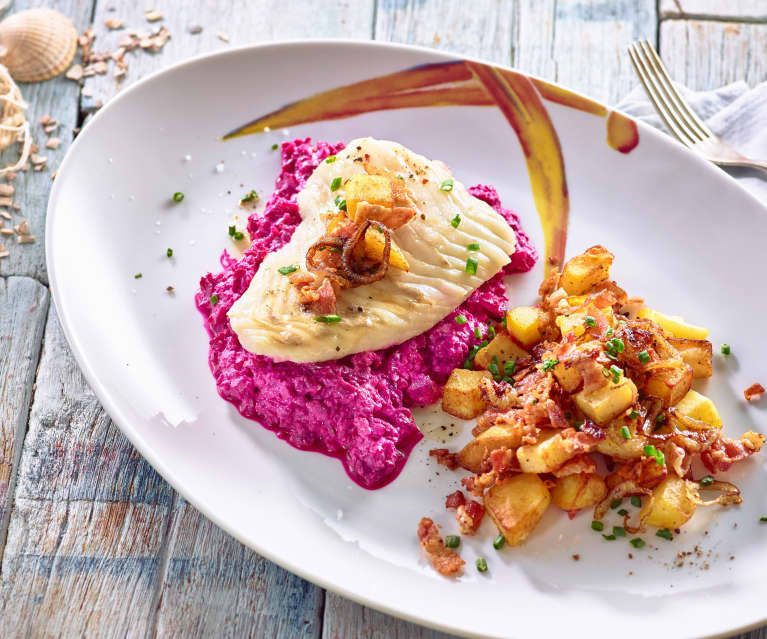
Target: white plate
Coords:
[[686, 237]]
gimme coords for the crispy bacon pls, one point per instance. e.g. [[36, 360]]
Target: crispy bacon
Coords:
[[590, 434], [445, 458], [445, 560], [453, 500], [580, 464], [753, 392], [469, 517], [326, 299], [643, 473], [724, 452]]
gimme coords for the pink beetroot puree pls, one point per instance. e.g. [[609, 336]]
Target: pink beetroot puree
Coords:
[[355, 408]]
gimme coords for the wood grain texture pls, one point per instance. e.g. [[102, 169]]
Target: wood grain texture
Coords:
[[23, 309], [215, 586], [58, 98], [241, 21], [748, 10], [707, 54]]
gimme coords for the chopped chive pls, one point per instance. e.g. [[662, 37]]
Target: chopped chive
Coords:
[[643, 356], [460, 319], [178, 196], [330, 159], [483, 343], [660, 420], [238, 235], [250, 196], [490, 333], [509, 367], [726, 350], [327, 319], [493, 367], [619, 531], [447, 185], [597, 525], [636, 501], [287, 270], [637, 542], [169, 252], [577, 425], [633, 414], [468, 364], [625, 432], [706, 481], [609, 537], [335, 184], [400, 176], [665, 533], [340, 202], [650, 450], [452, 541], [508, 380], [275, 146], [481, 564], [455, 221], [473, 351], [763, 518], [335, 249], [616, 502], [232, 230], [589, 321], [471, 266], [499, 542], [213, 299], [477, 332], [623, 512], [549, 364], [472, 247], [138, 276], [660, 458], [616, 373]]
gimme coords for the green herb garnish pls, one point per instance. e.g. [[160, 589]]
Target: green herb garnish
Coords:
[[287, 270], [138, 276], [471, 266], [665, 533], [447, 185], [633, 414], [335, 184], [455, 221], [625, 432], [178, 196], [327, 319], [609, 537], [636, 501], [549, 364], [643, 356], [589, 321], [250, 196], [330, 159], [472, 247], [341, 204], [481, 563], [169, 252], [637, 542], [706, 481], [499, 542], [213, 299], [597, 525], [460, 319], [275, 146], [615, 503], [619, 531], [726, 350]]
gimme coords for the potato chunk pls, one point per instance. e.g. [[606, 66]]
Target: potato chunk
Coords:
[[574, 492], [696, 353], [699, 407], [670, 385], [516, 505], [502, 347], [583, 272], [608, 401], [472, 455], [616, 445], [673, 324], [462, 396], [674, 502], [374, 248], [373, 189], [549, 453], [523, 323]]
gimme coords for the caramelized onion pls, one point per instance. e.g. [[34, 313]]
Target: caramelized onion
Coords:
[[347, 266]]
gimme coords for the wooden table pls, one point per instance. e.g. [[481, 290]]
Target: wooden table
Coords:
[[93, 541]]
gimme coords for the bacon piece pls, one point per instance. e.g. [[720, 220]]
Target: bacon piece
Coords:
[[469, 517], [580, 464], [754, 392], [590, 434], [326, 299], [445, 560], [503, 461], [445, 457], [643, 473], [453, 500], [724, 452]]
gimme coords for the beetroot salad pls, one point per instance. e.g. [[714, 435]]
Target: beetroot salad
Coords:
[[355, 408]]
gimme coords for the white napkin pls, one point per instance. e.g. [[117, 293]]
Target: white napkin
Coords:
[[736, 113]]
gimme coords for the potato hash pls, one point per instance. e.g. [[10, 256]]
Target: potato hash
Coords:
[[581, 402]]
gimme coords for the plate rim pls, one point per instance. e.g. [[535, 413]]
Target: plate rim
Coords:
[[115, 414]]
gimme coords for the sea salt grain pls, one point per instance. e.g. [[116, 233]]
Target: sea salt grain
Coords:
[[187, 158], [220, 167]]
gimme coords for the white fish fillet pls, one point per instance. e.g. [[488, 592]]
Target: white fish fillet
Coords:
[[268, 319]]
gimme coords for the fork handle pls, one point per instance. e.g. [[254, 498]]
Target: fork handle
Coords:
[[750, 164]]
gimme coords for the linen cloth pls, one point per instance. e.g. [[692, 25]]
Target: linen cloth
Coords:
[[735, 112]]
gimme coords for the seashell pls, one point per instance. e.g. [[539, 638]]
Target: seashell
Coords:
[[37, 44]]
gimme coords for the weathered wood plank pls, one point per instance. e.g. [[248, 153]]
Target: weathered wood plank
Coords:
[[23, 309], [706, 54], [578, 44], [58, 98], [747, 10], [215, 586], [241, 21]]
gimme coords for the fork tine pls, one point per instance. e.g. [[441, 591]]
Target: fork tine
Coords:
[[680, 102], [656, 97]]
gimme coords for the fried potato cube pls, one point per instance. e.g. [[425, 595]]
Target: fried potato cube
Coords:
[[617, 446], [574, 492], [608, 401], [373, 189], [696, 353], [473, 454], [523, 323], [374, 248], [669, 385], [699, 407], [503, 348], [549, 453], [571, 324], [583, 272], [673, 503], [462, 396], [516, 505], [673, 324]]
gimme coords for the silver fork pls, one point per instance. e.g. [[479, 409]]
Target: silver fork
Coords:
[[677, 114]]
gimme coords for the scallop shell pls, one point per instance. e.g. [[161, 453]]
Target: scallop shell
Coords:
[[37, 44]]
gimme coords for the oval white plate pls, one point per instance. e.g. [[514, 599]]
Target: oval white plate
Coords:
[[686, 237]]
